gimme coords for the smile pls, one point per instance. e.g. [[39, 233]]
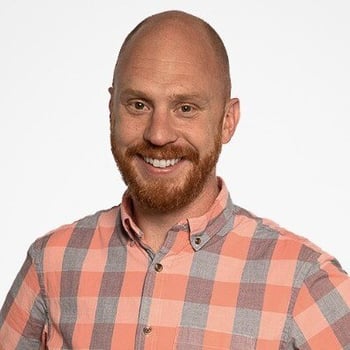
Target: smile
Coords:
[[161, 163]]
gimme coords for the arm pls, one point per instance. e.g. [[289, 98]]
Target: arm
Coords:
[[23, 317], [322, 309]]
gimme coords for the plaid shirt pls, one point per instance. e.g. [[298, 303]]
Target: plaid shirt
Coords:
[[226, 280]]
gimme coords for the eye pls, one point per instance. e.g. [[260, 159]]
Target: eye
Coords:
[[138, 105], [186, 108]]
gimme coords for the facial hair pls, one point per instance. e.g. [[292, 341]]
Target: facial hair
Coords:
[[166, 194]]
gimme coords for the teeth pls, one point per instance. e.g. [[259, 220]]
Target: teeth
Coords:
[[161, 163]]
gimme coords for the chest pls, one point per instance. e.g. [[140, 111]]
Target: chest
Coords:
[[199, 300]]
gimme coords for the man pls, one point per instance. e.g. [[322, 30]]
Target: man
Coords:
[[177, 265]]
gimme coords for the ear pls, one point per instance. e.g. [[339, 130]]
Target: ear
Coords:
[[110, 90], [110, 106], [231, 119]]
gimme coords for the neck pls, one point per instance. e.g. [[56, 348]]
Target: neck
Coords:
[[155, 225]]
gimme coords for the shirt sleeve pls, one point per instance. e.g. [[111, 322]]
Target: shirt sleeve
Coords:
[[23, 317], [322, 309]]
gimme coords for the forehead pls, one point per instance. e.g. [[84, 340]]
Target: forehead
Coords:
[[170, 58], [163, 79]]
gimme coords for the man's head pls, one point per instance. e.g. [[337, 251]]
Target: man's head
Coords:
[[196, 28], [170, 109]]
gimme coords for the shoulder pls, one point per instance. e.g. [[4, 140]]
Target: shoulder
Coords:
[[77, 233], [297, 246], [282, 257], [272, 241]]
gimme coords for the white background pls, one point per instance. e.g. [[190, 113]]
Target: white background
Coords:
[[288, 160]]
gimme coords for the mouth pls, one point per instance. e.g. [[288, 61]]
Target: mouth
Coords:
[[161, 163]]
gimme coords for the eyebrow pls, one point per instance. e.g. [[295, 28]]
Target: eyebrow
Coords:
[[173, 97], [189, 97], [133, 92]]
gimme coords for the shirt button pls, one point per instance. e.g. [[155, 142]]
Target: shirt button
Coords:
[[158, 267], [147, 330], [197, 240]]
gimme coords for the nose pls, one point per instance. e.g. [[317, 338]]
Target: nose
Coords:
[[160, 129]]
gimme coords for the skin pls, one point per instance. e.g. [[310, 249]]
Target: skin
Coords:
[[169, 91]]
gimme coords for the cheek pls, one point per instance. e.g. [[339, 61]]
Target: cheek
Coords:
[[126, 131], [201, 139], [210, 135]]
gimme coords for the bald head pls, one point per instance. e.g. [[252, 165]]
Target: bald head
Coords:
[[175, 31]]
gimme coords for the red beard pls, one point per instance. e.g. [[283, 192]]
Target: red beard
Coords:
[[164, 195]]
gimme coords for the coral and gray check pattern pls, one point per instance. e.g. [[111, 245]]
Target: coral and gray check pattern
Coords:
[[226, 280]]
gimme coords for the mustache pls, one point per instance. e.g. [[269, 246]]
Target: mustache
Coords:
[[163, 152]]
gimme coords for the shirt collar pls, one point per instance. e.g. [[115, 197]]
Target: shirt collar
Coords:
[[126, 213], [201, 229]]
